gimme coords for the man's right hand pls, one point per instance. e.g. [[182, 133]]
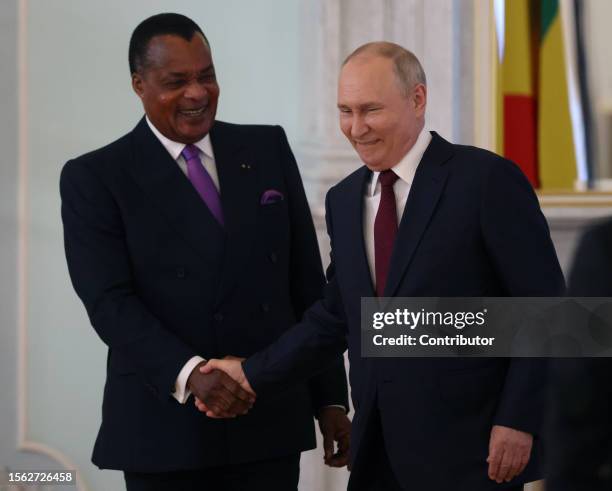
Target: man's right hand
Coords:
[[232, 367], [221, 394]]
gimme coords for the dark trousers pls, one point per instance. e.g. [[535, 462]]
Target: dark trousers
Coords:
[[280, 474], [372, 469]]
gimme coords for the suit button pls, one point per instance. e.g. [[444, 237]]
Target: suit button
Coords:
[[273, 257], [180, 272], [265, 307], [218, 316]]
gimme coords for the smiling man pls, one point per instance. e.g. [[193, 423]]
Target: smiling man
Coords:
[[380, 120], [421, 218], [186, 239]]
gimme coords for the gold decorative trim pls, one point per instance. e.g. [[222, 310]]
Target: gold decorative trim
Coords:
[[565, 192], [564, 204], [575, 199]]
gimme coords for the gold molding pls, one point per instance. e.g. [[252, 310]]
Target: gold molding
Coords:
[[566, 192], [577, 204], [575, 199]]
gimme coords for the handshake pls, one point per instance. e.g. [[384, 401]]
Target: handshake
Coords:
[[221, 390]]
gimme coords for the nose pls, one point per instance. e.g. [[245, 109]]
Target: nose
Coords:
[[195, 91], [358, 126]]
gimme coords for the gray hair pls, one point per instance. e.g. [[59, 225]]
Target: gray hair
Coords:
[[407, 67]]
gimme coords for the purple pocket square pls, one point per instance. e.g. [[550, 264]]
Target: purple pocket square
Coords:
[[271, 196]]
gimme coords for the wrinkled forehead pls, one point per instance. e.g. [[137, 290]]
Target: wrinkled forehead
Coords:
[[369, 76]]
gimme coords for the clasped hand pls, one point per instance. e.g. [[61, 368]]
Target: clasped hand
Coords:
[[218, 393]]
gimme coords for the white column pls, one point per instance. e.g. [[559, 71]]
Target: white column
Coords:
[[332, 29]]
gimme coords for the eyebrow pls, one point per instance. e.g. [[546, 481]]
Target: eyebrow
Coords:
[[365, 105], [209, 68]]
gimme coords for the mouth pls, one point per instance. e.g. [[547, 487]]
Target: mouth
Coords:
[[366, 143], [193, 113]]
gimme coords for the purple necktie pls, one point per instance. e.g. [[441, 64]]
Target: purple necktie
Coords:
[[202, 181]]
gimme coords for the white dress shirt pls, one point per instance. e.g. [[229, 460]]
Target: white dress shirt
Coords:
[[207, 155], [405, 170], [181, 392]]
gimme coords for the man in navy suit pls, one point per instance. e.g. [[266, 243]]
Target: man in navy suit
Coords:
[[427, 218], [187, 239]]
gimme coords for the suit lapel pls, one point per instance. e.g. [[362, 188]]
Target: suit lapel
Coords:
[[355, 247], [425, 192], [156, 172], [239, 197]]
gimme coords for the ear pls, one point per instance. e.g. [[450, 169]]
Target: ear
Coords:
[[420, 99], [138, 84]]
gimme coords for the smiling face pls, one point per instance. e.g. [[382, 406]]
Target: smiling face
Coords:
[[178, 87], [380, 120]]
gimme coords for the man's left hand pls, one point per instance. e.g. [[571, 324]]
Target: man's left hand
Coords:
[[335, 426], [509, 452]]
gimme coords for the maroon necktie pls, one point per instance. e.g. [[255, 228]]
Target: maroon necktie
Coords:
[[385, 229]]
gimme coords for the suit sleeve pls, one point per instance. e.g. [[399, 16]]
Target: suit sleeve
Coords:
[[309, 347], [100, 270], [518, 242], [306, 278]]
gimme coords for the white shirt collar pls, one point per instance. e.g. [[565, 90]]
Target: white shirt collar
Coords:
[[175, 148], [406, 168]]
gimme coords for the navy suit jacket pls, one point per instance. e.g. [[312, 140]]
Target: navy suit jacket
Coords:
[[471, 226], [162, 281]]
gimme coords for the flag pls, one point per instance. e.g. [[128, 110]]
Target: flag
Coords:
[[534, 122], [556, 154], [517, 124]]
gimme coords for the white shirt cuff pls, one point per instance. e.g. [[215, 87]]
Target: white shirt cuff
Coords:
[[340, 406], [181, 392]]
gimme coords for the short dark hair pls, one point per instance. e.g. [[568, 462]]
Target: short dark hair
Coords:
[[158, 25]]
